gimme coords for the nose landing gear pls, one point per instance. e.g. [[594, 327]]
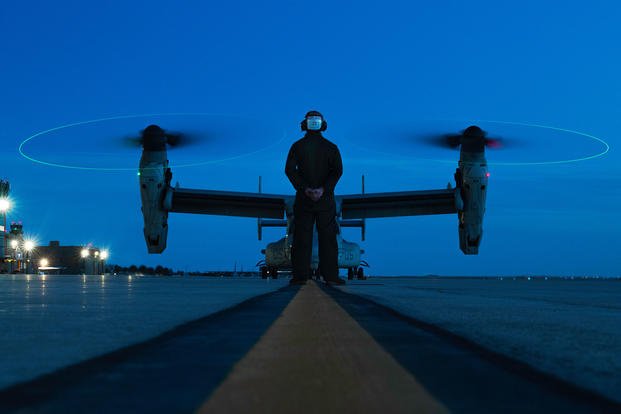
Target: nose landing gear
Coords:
[[355, 272]]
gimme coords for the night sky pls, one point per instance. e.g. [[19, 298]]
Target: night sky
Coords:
[[382, 73]]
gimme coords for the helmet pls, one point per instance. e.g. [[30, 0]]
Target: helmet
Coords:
[[313, 121]]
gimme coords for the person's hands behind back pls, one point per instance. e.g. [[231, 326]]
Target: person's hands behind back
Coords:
[[314, 193], [318, 192]]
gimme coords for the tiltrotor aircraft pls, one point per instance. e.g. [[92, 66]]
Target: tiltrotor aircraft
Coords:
[[466, 199]]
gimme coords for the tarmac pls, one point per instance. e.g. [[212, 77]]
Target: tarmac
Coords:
[[308, 349]]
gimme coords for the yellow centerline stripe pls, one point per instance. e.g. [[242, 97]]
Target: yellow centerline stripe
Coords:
[[316, 358]]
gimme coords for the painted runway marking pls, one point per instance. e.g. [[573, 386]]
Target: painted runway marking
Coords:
[[316, 358], [303, 350]]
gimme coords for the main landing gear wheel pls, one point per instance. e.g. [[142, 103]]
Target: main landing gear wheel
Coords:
[[360, 273], [314, 274], [274, 272], [264, 272], [350, 273], [355, 273]]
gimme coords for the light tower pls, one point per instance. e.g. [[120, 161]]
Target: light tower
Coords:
[[5, 205], [17, 246]]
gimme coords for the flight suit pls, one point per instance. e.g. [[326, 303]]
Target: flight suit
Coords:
[[314, 162]]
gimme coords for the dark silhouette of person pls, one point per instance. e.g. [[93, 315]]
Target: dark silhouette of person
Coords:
[[314, 167]]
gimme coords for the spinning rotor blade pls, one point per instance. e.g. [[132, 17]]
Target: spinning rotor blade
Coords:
[[494, 143], [133, 142], [444, 141], [154, 135], [454, 141], [181, 139], [109, 144]]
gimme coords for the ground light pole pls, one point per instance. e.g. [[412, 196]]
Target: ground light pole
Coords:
[[43, 264], [84, 254], [28, 247], [5, 204], [14, 245], [103, 256], [96, 262]]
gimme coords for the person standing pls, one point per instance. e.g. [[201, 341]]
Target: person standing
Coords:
[[314, 166]]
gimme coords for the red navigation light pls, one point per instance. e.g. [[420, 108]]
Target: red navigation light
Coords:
[[487, 175]]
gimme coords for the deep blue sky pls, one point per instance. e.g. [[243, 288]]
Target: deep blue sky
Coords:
[[361, 64]]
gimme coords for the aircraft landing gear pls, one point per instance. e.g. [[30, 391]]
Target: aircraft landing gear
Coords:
[[314, 274], [355, 273], [264, 272], [360, 274]]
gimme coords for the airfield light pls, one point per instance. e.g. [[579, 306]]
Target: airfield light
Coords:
[[44, 262], [29, 245], [96, 253], [5, 205], [103, 255], [14, 244], [84, 253]]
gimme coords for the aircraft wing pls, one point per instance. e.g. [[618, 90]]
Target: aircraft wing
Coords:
[[408, 203], [272, 206], [227, 203]]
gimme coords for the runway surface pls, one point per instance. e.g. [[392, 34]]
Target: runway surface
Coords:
[[569, 328], [313, 349], [51, 322]]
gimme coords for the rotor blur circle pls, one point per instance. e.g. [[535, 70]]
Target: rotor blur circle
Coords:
[[526, 143], [95, 144]]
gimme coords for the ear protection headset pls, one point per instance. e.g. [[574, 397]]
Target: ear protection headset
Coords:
[[304, 126]]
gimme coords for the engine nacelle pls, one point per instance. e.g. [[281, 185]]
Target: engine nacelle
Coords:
[[155, 176], [471, 178]]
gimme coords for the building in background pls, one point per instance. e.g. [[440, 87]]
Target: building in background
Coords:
[[71, 260], [18, 254]]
